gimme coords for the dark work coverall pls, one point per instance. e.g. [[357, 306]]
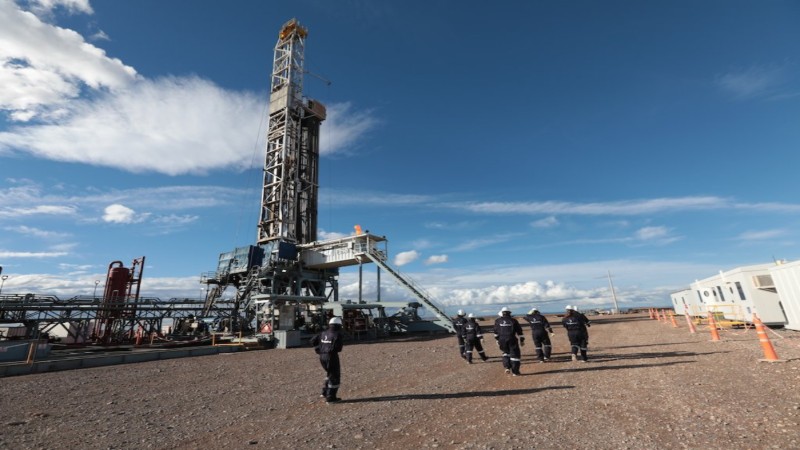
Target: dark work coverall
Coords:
[[328, 344], [506, 330], [576, 324], [540, 329], [472, 339], [458, 324]]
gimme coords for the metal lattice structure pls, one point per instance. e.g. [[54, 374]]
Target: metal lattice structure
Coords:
[[289, 198]]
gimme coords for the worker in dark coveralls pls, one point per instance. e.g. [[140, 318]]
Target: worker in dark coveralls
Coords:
[[541, 332], [328, 344], [508, 334], [576, 324], [472, 338], [458, 324], [586, 321]]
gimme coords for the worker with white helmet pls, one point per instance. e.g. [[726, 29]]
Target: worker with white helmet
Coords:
[[508, 334], [458, 324], [541, 332], [328, 344], [472, 338], [576, 324]]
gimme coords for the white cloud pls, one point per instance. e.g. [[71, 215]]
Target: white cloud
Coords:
[[99, 35], [547, 222], [121, 214], [483, 242], [44, 7], [7, 254], [753, 81], [54, 210], [760, 235], [650, 233], [404, 258], [31, 231], [436, 259], [146, 127], [620, 208], [43, 66], [129, 123], [328, 235], [343, 128]]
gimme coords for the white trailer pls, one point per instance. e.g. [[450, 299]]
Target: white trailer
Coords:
[[786, 277], [739, 293], [687, 300]]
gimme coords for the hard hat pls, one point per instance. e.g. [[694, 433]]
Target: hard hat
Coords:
[[505, 310], [568, 307], [470, 316], [460, 312], [335, 321], [533, 310]]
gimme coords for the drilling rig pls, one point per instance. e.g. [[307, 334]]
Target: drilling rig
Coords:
[[288, 282]]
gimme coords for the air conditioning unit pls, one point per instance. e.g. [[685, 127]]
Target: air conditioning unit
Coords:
[[763, 282]]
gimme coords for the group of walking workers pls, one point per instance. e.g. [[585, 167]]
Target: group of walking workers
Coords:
[[510, 338]]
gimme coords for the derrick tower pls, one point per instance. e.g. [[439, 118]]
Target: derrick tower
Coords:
[[291, 168], [288, 281]]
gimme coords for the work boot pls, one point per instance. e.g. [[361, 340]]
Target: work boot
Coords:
[[574, 357]]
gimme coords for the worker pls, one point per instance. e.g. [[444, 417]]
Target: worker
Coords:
[[541, 332], [575, 323], [458, 324], [472, 338], [507, 331], [328, 344], [586, 323]]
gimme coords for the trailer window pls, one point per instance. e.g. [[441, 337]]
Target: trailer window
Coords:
[[741, 291]]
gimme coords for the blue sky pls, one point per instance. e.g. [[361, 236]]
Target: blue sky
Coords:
[[512, 154]]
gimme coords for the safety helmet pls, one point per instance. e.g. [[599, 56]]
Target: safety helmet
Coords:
[[533, 310], [335, 321], [568, 307], [505, 310], [470, 316], [460, 312]]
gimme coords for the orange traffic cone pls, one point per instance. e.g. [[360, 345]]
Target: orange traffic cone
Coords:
[[664, 315], [713, 325], [766, 344], [672, 317], [650, 310], [692, 330]]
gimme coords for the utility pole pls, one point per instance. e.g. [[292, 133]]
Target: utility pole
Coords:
[[613, 294]]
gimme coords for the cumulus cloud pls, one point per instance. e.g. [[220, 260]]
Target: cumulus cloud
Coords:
[[121, 214], [43, 66], [404, 258], [128, 122], [436, 259]]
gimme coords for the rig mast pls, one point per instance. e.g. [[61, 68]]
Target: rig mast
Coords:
[[291, 168], [288, 281]]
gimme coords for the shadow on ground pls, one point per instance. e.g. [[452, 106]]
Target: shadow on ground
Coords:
[[391, 398]]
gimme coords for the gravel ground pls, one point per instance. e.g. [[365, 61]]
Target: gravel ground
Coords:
[[648, 386]]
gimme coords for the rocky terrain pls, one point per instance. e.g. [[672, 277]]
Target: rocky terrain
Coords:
[[648, 385]]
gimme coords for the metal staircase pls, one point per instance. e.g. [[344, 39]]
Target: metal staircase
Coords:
[[379, 259]]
